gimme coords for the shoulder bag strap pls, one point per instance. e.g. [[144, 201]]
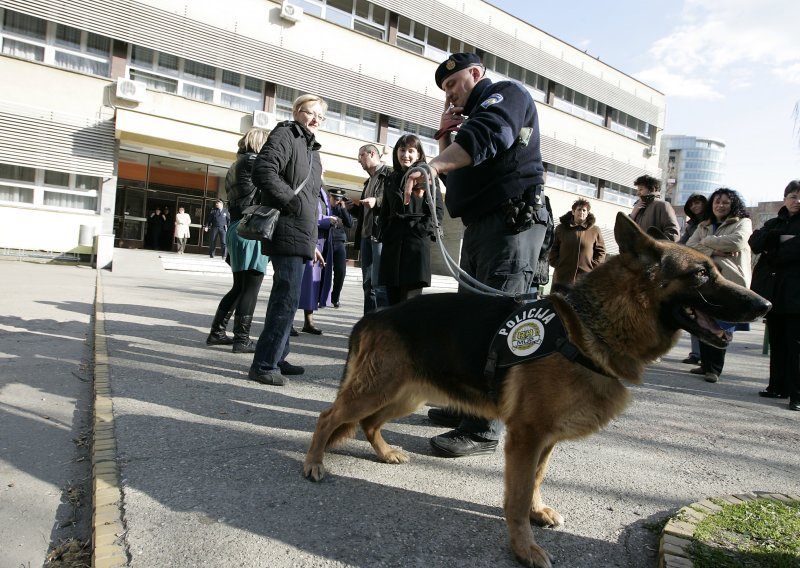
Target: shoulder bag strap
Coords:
[[310, 168]]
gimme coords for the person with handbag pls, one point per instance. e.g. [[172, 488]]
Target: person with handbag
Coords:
[[247, 262], [288, 173], [776, 277]]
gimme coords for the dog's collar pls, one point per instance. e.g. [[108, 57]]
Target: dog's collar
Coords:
[[532, 331]]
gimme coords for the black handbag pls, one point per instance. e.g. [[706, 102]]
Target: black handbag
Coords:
[[259, 221]]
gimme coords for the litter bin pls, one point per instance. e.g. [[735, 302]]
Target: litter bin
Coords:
[[86, 236]]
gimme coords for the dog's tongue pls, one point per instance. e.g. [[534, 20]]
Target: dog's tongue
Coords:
[[709, 324]]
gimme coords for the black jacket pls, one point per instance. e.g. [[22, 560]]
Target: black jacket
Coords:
[[502, 166], [239, 185], [406, 232], [338, 234], [290, 154], [218, 218], [776, 276], [383, 173]]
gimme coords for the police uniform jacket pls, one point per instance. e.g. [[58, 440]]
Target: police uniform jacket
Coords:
[[338, 234], [218, 218], [283, 163], [502, 168]]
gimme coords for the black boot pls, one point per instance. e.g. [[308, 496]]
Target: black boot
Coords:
[[241, 335], [218, 335]]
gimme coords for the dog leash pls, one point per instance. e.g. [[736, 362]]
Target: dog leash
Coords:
[[455, 270]]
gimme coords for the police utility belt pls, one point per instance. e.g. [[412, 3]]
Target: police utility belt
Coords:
[[523, 212]]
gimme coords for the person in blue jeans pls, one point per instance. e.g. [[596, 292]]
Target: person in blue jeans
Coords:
[[288, 162], [367, 210], [217, 222]]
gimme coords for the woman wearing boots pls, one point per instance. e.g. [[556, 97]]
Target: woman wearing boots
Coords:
[[247, 262]]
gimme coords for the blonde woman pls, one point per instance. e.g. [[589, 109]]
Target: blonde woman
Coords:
[[247, 262], [288, 161]]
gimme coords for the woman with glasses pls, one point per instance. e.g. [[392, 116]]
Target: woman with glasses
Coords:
[[288, 172]]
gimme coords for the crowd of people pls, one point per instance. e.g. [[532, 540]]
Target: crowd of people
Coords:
[[492, 167]]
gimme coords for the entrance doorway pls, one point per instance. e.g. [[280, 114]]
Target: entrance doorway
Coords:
[[150, 190]]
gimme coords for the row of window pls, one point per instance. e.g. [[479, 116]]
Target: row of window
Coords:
[[34, 186], [583, 184], [33, 38]]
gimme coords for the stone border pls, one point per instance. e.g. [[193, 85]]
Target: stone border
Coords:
[[677, 534], [108, 530]]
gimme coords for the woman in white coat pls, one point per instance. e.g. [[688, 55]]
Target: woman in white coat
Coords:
[[182, 222], [723, 236]]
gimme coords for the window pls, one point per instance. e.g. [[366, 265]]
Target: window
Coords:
[[341, 118], [398, 128], [28, 37], [194, 80], [38, 187], [616, 193], [579, 105], [570, 180], [630, 126]]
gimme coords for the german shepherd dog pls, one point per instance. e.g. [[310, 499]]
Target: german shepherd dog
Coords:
[[433, 349]]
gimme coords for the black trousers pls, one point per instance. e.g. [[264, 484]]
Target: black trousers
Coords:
[[217, 233], [244, 293], [397, 294], [712, 359], [339, 269], [784, 354]]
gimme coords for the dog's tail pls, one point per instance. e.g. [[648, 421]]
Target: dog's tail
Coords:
[[342, 433]]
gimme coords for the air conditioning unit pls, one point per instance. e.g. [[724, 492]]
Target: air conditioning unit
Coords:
[[650, 151], [263, 119], [130, 90], [291, 12]]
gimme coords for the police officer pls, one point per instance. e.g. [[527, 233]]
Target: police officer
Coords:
[[217, 221], [339, 238], [491, 162]]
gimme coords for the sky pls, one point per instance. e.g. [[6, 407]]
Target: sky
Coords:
[[730, 70]]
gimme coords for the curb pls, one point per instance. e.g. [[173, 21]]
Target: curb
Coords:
[[108, 530], [677, 534]]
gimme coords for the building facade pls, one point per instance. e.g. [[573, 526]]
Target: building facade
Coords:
[[112, 109], [690, 165]]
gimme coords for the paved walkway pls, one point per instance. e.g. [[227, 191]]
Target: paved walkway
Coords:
[[210, 464]]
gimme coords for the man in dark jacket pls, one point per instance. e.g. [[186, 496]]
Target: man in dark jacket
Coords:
[[287, 162], [494, 176], [339, 239], [367, 209], [217, 221]]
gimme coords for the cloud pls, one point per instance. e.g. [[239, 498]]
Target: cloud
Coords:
[[718, 46], [675, 84]]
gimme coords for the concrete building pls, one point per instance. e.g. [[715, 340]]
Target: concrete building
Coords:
[[690, 165], [110, 109]]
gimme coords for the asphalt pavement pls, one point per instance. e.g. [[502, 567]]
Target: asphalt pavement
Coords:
[[210, 463]]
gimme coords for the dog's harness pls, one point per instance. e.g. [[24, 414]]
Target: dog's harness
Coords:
[[532, 331]]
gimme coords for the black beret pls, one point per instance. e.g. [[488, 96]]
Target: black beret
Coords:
[[455, 62]]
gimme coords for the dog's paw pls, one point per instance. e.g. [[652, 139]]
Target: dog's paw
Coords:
[[314, 471], [534, 556], [547, 517], [395, 456]]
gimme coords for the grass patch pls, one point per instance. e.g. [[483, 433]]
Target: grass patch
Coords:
[[763, 533]]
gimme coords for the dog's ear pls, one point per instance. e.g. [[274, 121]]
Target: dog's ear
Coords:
[[632, 240], [657, 234]]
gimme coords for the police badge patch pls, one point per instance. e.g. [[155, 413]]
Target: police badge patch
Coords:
[[492, 100]]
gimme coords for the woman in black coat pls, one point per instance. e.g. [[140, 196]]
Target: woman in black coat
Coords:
[[777, 278], [406, 231]]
